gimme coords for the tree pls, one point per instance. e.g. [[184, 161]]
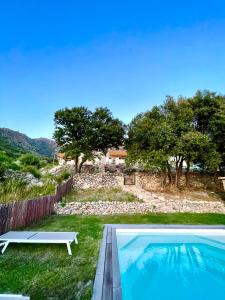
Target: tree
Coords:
[[209, 118], [198, 148], [166, 137], [179, 116], [217, 130], [156, 135], [204, 105], [149, 141], [80, 132]]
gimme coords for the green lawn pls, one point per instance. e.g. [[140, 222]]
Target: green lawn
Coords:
[[47, 272], [100, 194]]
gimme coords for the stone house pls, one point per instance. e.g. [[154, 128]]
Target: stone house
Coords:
[[116, 157], [112, 157]]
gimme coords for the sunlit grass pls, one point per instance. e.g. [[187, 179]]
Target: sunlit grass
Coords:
[[100, 194]]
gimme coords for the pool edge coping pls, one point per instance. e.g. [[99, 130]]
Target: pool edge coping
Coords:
[[107, 278]]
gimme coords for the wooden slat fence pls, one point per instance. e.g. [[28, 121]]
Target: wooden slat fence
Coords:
[[63, 189], [23, 213]]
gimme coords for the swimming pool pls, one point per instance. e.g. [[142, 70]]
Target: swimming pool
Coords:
[[168, 263]]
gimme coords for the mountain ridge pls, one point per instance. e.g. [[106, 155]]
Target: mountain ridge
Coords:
[[15, 143]]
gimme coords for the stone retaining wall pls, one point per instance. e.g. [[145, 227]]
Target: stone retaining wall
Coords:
[[152, 181], [98, 180], [149, 181], [166, 206]]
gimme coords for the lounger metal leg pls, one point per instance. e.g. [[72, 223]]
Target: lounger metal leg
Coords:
[[68, 248], [5, 246], [75, 240]]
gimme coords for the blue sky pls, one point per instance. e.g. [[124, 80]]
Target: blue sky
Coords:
[[127, 55]]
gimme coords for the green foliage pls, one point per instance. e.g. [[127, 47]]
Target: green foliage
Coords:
[[11, 150], [15, 144], [100, 194], [205, 105], [11, 186], [211, 160], [185, 130], [78, 131], [198, 148], [153, 135], [33, 170], [29, 159], [209, 118], [64, 175], [15, 189], [107, 131], [6, 162]]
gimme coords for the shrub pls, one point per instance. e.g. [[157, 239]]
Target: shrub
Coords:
[[14, 189], [11, 187], [34, 171], [63, 176], [29, 159], [46, 189], [6, 163]]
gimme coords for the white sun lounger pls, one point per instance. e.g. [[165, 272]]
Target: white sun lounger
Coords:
[[33, 237], [13, 297]]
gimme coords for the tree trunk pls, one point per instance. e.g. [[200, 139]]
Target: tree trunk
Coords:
[[188, 174], [179, 167], [76, 163], [163, 181], [176, 175], [81, 165], [169, 173]]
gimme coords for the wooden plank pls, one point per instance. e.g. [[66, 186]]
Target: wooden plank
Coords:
[[3, 217]]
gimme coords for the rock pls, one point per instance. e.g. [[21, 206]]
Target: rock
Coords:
[[98, 180], [27, 178], [115, 207]]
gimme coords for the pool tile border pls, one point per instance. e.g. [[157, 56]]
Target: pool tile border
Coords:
[[107, 285]]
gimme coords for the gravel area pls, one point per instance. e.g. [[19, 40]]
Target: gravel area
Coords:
[[163, 206]]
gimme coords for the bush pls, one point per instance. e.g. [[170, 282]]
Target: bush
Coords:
[[14, 190], [29, 159], [34, 171], [11, 187], [62, 176], [6, 163]]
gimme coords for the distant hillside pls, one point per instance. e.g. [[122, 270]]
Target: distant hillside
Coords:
[[16, 143]]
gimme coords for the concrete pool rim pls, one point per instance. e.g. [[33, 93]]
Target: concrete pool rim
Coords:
[[107, 285]]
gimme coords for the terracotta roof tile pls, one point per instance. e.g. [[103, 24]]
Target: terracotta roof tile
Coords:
[[117, 153]]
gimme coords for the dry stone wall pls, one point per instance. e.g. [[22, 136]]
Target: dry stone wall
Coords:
[[152, 181], [98, 180], [149, 181]]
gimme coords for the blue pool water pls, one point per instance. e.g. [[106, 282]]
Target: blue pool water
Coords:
[[171, 266]]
